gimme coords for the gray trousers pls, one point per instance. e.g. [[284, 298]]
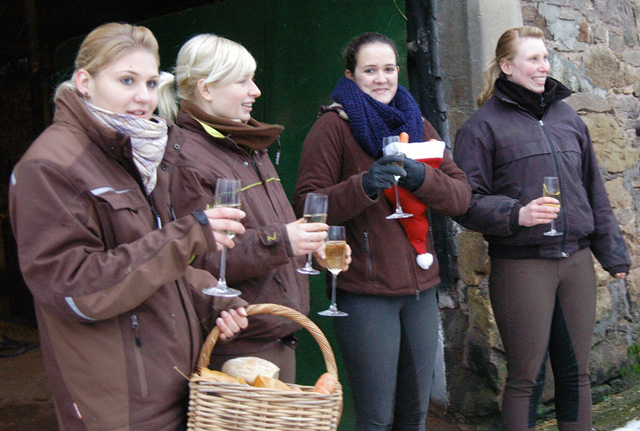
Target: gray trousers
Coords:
[[389, 347]]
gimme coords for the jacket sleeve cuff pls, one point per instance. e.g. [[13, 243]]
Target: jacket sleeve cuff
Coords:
[[285, 237], [202, 219], [373, 198], [514, 220], [617, 269], [222, 303]]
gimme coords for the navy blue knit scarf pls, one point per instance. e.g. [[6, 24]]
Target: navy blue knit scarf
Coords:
[[370, 120]]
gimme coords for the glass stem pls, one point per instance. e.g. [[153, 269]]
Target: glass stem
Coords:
[[398, 208], [333, 291], [309, 264], [222, 281]]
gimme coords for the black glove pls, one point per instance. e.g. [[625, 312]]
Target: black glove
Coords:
[[415, 175], [381, 175]]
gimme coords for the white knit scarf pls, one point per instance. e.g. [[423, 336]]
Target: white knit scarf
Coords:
[[148, 140]]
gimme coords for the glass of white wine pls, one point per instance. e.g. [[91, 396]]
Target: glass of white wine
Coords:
[[551, 189], [390, 148], [315, 211], [336, 251], [228, 193]]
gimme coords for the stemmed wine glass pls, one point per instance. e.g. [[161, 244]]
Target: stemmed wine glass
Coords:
[[389, 149], [315, 211], [227, 195], [336, 251], [551, 189]]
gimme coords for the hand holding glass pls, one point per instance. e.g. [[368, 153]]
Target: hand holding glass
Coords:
[[391, 150], [227, 195], [315, 211], [551, 189], [336, 251]]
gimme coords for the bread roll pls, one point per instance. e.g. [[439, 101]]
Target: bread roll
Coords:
[[326, 384], [249, 367], [217, 376], [267, 382]]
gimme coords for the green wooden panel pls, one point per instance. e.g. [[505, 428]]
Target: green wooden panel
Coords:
[[298, 46]]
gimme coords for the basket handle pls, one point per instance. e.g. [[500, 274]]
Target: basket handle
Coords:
[[277, 310]]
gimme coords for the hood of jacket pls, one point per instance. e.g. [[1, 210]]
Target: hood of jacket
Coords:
[[253, 135]]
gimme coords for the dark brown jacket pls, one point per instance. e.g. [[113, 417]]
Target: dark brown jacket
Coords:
[[261, 265], [506, 151], [114, 295], [384, 261]]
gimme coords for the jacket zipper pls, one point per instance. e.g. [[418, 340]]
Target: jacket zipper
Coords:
[[154, 211], [368, 251], [144, 390], [560, 182]]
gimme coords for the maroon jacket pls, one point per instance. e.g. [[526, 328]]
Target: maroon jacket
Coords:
[[115, 298], [384, 261]]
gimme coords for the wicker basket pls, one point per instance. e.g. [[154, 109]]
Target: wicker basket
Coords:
[[219, 406]]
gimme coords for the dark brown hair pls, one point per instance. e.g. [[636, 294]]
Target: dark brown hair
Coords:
[[350, 53]]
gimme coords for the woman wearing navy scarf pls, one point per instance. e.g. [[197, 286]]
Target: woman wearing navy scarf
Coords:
[[390, 336]]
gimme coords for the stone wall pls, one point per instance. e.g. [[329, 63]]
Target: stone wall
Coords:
[[595, 50]]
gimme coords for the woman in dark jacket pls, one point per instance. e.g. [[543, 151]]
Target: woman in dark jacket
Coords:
[[542, 288], [119, 308], [390, 337], [221, 140]]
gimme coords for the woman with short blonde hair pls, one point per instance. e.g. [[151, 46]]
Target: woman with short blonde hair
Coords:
[[216, 93]]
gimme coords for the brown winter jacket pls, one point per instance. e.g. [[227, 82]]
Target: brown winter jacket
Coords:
[[384, 261], [261, 265], [114, 295], [506, 151]]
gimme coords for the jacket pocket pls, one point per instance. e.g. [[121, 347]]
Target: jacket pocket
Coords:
[[280, 282], [139, 362], [115, 208]]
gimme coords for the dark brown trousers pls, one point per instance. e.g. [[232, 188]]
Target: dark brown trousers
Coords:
[[545, 309]]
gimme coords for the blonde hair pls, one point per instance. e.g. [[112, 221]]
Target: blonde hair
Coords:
[[217, 60], [106, 44], [506, 49]]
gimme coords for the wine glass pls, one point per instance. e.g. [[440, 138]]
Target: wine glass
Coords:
[[551, 189], [336, 251], [390, 147], [227, 195], [315, 211]]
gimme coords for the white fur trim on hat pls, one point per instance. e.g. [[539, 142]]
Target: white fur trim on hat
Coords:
[[420, 150], [425, 260]]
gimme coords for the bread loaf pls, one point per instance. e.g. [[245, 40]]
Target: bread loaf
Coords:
[[249, 367]]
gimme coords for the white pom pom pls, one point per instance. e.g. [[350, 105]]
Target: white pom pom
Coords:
[[424, 260]]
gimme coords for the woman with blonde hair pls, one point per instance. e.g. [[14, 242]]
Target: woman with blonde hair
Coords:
[[221, 139], [542, 287], [120, 311]]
